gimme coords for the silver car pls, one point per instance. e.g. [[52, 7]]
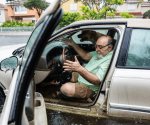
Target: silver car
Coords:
[[123, 93]]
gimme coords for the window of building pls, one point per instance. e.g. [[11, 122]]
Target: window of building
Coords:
[[20, 9], [139, 49], [131, 7], [73, 7]]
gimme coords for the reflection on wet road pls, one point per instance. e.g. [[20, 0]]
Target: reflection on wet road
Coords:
[[13, 40], [59, 118]]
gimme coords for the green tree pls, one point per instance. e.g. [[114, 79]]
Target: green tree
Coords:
[[38, 5], [103, 7], [97, 9], [147, 14], [87, 13], [69, 18]]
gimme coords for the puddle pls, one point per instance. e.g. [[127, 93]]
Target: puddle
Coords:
[[60, 118]]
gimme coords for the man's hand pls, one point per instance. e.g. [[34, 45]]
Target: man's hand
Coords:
[[81, 52], [72, 66], [76, 67]]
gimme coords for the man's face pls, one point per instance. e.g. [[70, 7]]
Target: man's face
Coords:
[[102, 46]]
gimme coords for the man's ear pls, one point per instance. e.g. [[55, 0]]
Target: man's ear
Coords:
[[110, 47]]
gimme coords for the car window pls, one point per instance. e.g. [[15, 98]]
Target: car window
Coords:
[[139, 49], [32, 39], [77, 40], [50, 74]]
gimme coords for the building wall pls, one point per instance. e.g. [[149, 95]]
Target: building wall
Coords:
[[19, 13], [134, 7], [71, 6], [25, 15], [2, 14]]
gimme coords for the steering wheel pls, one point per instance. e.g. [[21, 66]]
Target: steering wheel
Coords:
[[58, 55]]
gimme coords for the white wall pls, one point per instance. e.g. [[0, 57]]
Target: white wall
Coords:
[[2, 16]]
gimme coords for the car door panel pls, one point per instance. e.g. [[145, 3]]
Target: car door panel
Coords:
[[20, 83], [40, 76], [129, 87], [6, 78], [129, 91], [40, 108]]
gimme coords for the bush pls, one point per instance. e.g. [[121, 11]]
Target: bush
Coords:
[[69, 18], [126, 15], [16, 24]]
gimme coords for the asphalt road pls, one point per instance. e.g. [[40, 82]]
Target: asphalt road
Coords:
[[13, 39], [10, 42]]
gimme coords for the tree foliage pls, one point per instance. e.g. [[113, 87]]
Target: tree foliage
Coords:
[[69, 18], [147, 14], [101, 8], [87, 13], [38, 5]]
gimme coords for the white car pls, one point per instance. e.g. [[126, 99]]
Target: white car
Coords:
[[123, 93], [6, 77], [6, 52]]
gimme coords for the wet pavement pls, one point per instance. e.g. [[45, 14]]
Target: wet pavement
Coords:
[[13, 40], [60, 118]]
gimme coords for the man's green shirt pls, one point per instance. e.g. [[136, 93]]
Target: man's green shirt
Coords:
[[98, 66]]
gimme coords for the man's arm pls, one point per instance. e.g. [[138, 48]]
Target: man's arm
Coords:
[[76, 67], [92, 78], [82, 53]]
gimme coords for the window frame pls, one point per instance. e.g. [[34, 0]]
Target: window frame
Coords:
[[123, 54], [124, 48]]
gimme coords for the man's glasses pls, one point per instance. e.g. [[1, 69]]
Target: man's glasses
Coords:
[[101, 47]]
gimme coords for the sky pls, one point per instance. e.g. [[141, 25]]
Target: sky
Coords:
[[3, 1]]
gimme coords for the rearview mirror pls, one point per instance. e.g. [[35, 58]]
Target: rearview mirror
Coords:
[[9, 63]]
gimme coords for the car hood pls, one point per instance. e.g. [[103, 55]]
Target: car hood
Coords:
[[6, 51]]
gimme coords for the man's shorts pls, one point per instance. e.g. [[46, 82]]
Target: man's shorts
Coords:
[[81, 91]]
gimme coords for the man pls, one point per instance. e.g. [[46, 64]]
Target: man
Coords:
[[93, 73]]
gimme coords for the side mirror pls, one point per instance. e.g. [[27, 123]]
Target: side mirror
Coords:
[[9, 63]]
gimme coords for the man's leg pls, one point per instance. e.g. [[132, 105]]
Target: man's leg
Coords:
[[74, 77], [76, 90], [68, 89]]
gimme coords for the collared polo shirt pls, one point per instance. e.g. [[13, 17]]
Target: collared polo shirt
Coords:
[[97, 65]]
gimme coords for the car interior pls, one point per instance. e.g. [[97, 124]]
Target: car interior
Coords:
[[49, 72]]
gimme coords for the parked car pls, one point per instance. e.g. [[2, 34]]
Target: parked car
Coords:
[[123, 93]]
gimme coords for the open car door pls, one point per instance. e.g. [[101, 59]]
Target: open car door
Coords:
[[21, 104]]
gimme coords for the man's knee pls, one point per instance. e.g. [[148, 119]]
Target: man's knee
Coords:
[[68, 89]]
